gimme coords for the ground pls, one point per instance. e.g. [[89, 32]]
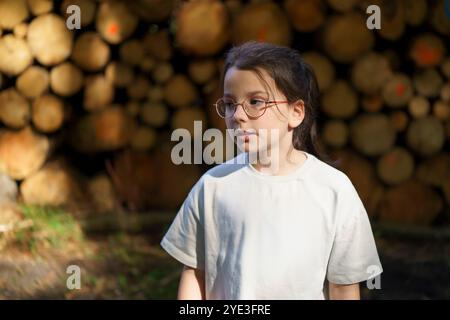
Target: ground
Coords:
[[124, 265]]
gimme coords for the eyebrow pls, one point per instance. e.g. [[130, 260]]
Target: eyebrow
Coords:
[[250, 93]]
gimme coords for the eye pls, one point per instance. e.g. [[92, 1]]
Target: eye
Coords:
[[257, 102], [228, 103]]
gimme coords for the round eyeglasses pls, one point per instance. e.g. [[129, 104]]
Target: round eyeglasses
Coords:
[[254, 107]]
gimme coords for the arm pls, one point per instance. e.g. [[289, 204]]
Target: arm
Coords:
[[344, 291], [192, 284]]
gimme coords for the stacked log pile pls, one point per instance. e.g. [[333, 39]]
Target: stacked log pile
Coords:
[[110, 94]]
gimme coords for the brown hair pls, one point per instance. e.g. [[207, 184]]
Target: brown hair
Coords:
[[292, 76]]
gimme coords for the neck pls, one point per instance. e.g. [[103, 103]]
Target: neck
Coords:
[[289, 159]]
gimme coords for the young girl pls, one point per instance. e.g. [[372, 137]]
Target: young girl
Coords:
[[250, 230]]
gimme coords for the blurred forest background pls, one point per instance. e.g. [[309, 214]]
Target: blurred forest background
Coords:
[[86, 117]]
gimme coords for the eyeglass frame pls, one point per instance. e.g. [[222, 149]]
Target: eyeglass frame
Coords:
[[235, 104]]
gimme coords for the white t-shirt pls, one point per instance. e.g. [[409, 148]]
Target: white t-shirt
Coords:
[[261, 236]]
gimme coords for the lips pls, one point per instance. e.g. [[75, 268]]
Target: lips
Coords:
[[244, 133]]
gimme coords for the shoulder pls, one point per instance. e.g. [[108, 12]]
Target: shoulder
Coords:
[[226, 168], [329, 176]]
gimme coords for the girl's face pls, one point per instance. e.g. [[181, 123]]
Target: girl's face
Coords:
[[274, 127]]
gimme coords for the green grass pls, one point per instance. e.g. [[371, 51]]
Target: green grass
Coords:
[[52, 227]]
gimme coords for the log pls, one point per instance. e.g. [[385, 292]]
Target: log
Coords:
[[234, 7], [132, 107], [48, 113], [205, 36], [410, 203], [419, 107], [428, 82], [138, 89], [143, 138], [439, 18], [154, 114], [342, 5], [399, 120], [158, 44], [335, 133], [115, 22], [396, 166], [38, 7], [132, 52], [445, 92], [87, 8], [393, 58], [90, 52], [98, 93], [372, 103], [106, 130], [415, 12], [392, 17], [340, 100], [33, 82], [64, 188], [263, 22], [434, 171], [66, 79], [22, 152], [12, 12], [186, 93], [214, 120], [427, 50], [49, 39], [346, 37], [211, 86], [426, 136], [155, 93], [372, 134], [322, 67], [14, 109], [147, 64], [15, 55], [152, 11], [447, 129], [397, 91], [169, 196], [162, 72], [441, 110], [363, 176], [305, 16], [120, 74], [20, 30], [202, 70], [102, 193], [370, 73], [184, 118], [445, 67]]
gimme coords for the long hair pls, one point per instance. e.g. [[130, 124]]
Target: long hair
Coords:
[[292, 76]]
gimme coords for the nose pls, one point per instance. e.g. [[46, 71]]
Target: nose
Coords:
[[239, 114]]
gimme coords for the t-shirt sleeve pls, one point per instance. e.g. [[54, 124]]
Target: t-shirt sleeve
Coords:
[[354, 257], [184, 239]]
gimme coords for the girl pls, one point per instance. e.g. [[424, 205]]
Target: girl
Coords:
[[250, 230]]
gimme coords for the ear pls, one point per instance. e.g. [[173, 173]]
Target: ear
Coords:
[[296, 114]]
